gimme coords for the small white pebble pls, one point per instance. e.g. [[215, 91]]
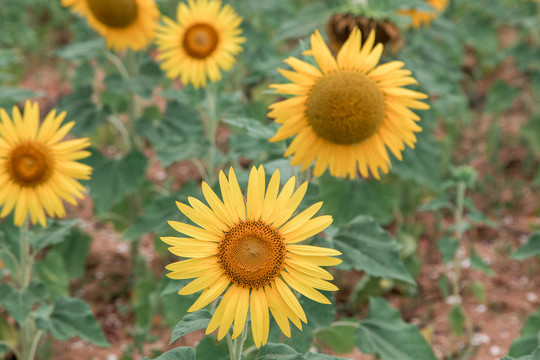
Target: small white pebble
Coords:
[[112, 357], [531, 297], [451, 300], [461, 253], [523, 280], [121, 248], [481, 308], [495, 350], [465, 264], [523, 238], [479, 339], [77, 345], [160, 175]]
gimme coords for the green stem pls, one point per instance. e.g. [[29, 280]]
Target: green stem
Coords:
[[236, 345], [212, 122], [458, 217]]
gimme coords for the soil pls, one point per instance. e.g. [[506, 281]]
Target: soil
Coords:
[[508, 199]]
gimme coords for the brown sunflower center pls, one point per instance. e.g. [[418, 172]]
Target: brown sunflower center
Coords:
[[29, 164], [252, 253], [200, 40], [114, 13], [345, 107]]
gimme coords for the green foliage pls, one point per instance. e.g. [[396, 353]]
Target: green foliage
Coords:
[[339, 338], [180, 353], [191, 322], [448, 247], [367, 247], [20, 302], [70, 317], [384, 333], [528, 340], [500, 97], [457, 320], [529, 249]]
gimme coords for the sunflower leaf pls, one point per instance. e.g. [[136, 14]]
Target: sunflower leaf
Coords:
[[191, 322], [528, 339], [317, 356], [181, 353], [278, 352], [529, 249], [365, 246], [385, 333]]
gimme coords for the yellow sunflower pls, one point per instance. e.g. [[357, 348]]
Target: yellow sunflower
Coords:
[[421, 17], [203, 42], [346, 113], [37, 169], [249, 251], [123, 23]]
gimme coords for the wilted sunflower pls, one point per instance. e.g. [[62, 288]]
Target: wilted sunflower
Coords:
[[248, 250], [421, 17], [346, 114], [203, 42], [123, 23], [37, 169]]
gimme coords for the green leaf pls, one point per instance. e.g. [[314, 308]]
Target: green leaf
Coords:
[[457, 320], [211, 348], [191, 322], [385, 333], [254, 128], [531, 132], [10, 96], [113, 178], [19, 303], [72, 317], [82, 50], [535, 355], [365, 246], [278, 352], [177, 136], [529, 249], [180, 353], [317, 356], [8, 335], [528, 340], [448, 247], [500, 97], [338, 337], [55, 233], [81, 109], [52, 272], [373, 198], [74, 251], [478, 263]]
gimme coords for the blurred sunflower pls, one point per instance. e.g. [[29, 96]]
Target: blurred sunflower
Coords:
[[37, 169], [421, 17], [123, 23], [248, 250], [203, 42], [346, 113]]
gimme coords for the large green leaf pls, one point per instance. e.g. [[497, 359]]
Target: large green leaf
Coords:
[[500, 97], [384, 333], [530, 248], [52, 272], [211, 348], [19, 303], [191, 322], [72, 317], [181, 353], [178, 135], [278, 352], [535, 355], [10, 96], [253, 128], [317, 356], [113, 178], [528, 340], [81, 109], [55, 233], [365, 246], [82, 50], [339, 338]]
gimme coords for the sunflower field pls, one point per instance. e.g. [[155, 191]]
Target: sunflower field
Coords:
[[286, 179]]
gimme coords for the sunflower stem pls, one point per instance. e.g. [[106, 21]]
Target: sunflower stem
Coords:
[[27, 329], [458, 217], [212, 123], [236, 345]]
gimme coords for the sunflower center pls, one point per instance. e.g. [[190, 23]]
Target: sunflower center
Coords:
[[29, 164], [114, 13], [200, 40], [252, 253], [345, 107]]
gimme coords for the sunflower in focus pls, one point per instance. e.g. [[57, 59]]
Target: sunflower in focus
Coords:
[[249, 252], [37, 168], [345, 113], [203, 42], [421, 17], [123, 23]]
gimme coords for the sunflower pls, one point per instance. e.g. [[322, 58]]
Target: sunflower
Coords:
[[248, 250], [37, 169], [123, 23], [346, 112], [421, 17], [204, 40]]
